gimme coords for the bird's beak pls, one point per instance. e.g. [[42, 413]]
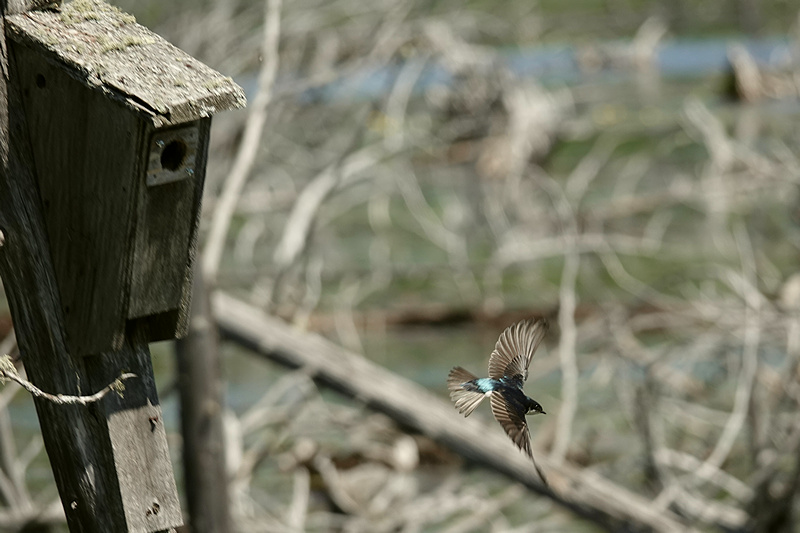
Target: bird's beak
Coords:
[[543, 412]]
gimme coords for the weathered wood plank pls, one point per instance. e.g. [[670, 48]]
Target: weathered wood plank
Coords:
[[137, 437], [169, 217], [12, 7], [107, 49], [27, 273], [86, 181], [413, 407], [98, 453], [119, 127]]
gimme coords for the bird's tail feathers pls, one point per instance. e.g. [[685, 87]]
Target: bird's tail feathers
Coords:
[[539, 471], [525, 446], [466, 400], [458, 376]]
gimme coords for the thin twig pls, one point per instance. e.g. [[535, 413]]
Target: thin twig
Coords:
[[251, 139], [567, 202], [298, 510], [689, 463], [567, 348], [746, 382], [7, 371]]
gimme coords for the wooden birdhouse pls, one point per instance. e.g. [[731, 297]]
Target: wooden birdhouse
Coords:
[[120, 124]]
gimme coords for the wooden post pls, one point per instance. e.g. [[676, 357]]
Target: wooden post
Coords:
[[103, 141], [202, 416]]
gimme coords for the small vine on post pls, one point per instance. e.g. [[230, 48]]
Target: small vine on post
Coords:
[[9, 372]]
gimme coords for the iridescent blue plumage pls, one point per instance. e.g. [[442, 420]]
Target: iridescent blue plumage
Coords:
[[508, 370], [486, 384]]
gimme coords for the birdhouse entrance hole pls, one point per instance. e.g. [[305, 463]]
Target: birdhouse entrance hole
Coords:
[[173, 155]]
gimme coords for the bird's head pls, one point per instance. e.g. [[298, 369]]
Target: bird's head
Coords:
[[534, 407]]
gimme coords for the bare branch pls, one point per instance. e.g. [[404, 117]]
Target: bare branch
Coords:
[[744, 388], [250, 142]]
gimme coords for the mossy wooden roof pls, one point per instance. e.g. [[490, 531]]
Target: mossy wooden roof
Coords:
[[107, 50]]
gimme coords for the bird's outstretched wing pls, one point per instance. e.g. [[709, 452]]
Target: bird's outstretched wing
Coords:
[[515, 427], [514, 350]]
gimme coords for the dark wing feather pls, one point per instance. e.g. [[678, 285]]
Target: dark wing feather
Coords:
[[516, 427], [514, 350]]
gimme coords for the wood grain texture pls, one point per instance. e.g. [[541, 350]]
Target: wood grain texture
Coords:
[[101, 93], [20, 6], [121, 249], [87, 447], [28, 275], [105, 48], [85, 148], [414, 408], [137, 437], [165, 245]]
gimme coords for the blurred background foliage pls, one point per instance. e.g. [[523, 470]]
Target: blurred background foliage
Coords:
[[429, 172]]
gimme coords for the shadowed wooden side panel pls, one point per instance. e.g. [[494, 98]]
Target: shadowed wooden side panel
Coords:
[[162, 245], [166, 236], [81, 143]]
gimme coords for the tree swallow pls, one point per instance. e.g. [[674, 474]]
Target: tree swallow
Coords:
[[508, 370]]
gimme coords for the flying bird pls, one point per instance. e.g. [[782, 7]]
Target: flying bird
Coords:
[[508, 371]]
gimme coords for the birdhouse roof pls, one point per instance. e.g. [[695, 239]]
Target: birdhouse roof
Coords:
[[107, 50]]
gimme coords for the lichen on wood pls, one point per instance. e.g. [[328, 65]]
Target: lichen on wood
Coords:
[[106, 49]]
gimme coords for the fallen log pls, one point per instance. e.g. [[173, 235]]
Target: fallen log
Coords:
[[585, 493]]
